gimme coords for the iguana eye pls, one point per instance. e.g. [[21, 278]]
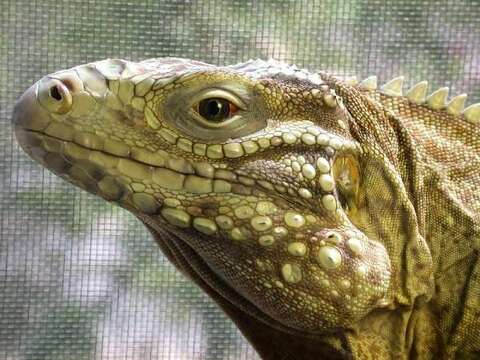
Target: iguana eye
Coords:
[[216, 109], [215, 112]]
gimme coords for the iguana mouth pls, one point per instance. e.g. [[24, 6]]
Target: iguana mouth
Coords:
[[261, 208], [60, 154], [68, 159]]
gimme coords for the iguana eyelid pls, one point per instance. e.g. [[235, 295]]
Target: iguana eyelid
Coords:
[[212, 125]]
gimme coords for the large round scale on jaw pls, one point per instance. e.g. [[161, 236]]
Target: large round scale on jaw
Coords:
[[294, 220], [329, 202], [355, 245], [329, 257]]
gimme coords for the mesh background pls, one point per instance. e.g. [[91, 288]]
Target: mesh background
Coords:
[[82, 279]]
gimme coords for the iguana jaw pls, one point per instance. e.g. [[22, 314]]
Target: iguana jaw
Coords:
[[262, 211]]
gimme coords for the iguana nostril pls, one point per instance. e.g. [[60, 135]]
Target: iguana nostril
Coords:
[[55, 93]]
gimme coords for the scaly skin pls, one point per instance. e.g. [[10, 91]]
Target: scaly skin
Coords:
[[328, 220]]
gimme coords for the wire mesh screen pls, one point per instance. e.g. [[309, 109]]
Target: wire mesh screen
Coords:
[[82, 279]]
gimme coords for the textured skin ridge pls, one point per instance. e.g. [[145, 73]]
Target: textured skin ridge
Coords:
[[327, 218]]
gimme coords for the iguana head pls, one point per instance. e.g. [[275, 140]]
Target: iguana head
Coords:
[[253, 174]]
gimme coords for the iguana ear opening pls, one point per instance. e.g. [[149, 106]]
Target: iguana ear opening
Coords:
[[346, 172]]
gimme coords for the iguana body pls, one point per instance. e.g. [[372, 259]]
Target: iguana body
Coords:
[[328, 220]]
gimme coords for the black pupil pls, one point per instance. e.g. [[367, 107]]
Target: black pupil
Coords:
[[214, 109]]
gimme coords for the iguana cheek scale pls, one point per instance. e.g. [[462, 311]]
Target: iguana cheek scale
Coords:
[[301, 213]]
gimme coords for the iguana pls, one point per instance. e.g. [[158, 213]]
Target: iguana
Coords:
[[327, 218]]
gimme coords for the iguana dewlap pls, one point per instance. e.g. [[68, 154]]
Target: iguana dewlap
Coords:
[[328, 219]]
